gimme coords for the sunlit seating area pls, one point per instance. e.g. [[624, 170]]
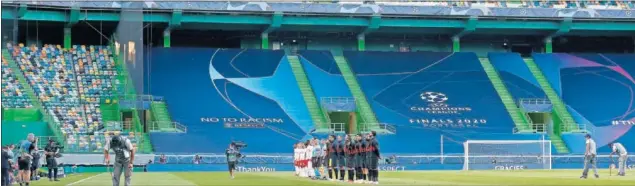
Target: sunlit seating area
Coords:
[[95, 71], [69, 83], [13, 95]]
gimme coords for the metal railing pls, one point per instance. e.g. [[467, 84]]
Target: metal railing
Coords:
[[387, 127], [535, 101], [535, 105], [567, 127], [337, 127], [140, 97], [535, 128], [180, 127], [337, 100], [174, 127], [573, 128], [382, 128]]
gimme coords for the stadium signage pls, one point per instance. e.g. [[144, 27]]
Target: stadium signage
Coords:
[[623, 122], [392, 168], [444, 113], [243, 122], [451, 123], [509, 167], [255, 169]]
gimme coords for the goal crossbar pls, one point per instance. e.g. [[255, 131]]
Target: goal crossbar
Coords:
[[487, 149], [507, 141]]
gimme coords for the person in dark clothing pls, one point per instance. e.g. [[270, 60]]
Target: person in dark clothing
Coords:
[[24, 168], [7, 155], [341, 158], [364, 158], [233, 155], [35, 165], [324, 159], [358, 158], [51, 150], [26, 159], [373, 157], [350, 158], [332, 156]]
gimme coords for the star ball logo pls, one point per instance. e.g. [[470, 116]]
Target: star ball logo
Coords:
[[434, 97], [437, 104]]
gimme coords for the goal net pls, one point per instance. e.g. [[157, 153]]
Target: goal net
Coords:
[[507, 154]]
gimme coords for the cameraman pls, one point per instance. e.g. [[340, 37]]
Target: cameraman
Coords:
[[233, 155], [51, 150]]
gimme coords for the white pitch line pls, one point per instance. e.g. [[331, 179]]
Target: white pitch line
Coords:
[[82, 180]]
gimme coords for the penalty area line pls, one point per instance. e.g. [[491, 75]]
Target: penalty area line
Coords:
[[82, 180]]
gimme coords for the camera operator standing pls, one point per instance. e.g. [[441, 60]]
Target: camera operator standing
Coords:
[[232, 154], [52, 151]]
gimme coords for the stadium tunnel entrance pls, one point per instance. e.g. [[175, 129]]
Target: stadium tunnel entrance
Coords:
[[343, 122], [540, 120]]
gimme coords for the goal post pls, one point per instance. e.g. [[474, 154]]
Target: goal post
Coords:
[[506, 154]]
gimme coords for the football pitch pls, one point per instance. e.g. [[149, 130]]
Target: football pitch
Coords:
[[524, 177]]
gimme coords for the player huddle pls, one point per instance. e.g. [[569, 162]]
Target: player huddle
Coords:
[[357, 154]]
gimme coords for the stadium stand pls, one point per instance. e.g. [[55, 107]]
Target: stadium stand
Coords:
[[13, 95], [94, 67], [71, 85], [327, 83], [516, 4], [50, 73], [324, 75], [389, 76], [260, 73], [256, 84], [586, 82], [422, 93], [517, 77]]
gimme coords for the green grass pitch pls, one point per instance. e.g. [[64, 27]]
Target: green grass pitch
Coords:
[[524, 177]]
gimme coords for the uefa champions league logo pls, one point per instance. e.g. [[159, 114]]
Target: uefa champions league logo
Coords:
[[437, 106], [434, 97]]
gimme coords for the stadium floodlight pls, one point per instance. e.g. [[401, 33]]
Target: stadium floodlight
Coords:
[[507, 154]]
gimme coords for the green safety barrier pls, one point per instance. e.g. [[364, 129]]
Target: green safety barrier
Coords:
[[14, 132], [21, 114]]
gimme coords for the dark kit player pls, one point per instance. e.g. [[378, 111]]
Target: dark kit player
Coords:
[[364, 158], [341, 158], [332, 156], [373, 158], [350, 157], [359, 158]]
